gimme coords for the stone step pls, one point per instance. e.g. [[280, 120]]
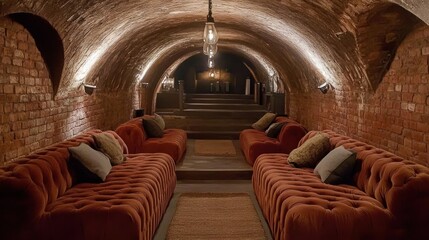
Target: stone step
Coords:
[[214, 174], [166, 111], [222, 113], [233, 135], [218, 127], [228, 106], [209, 127], [198, 124], [177, 119], [220, 96], [219, 100], [214, 116]]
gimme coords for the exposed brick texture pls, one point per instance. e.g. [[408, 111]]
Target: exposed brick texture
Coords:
[[125, 42], [395, 117], [30, 117]]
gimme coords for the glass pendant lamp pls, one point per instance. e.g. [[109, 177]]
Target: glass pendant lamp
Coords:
[[210, 36], [211, 62], [210, 49], [212, 73], [210, 33]]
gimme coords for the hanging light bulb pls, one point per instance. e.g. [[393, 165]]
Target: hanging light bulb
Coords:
[[212, 73], [211, 62], [210, 36], [209, 49], [210, 33]]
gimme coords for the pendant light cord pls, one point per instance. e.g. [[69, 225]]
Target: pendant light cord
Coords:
[[209, 16]]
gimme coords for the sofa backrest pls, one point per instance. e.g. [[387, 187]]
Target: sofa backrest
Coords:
[[290, 134], [284, 119], [133, 134], [34, 181], [402, 186]]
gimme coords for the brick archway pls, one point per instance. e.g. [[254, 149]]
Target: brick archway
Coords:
[[48, 41]]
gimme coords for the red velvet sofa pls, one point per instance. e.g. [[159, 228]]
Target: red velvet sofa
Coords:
[[389, 198], [39, 200], [255, 142], [172, 143]]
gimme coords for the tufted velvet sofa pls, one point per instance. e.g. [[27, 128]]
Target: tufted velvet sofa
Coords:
[[39, 200], [389, 198], [172, 143], [255, 142]]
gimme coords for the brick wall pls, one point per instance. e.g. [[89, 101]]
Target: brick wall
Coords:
[[395, 117], [30, 117]]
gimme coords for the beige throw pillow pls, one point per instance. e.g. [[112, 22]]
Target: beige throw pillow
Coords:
[[159, 120], [264, 122], [107, 144], [95, 161], [310, 152]]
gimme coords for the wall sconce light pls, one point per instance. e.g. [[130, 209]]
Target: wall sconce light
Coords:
[[324, 87], [340, 35], [89, 89]]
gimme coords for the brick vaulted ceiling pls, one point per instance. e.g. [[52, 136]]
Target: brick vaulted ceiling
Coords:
[[118, 43]]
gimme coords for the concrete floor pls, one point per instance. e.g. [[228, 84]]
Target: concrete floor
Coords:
[[221, 167]]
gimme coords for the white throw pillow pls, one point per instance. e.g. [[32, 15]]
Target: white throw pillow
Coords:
[[337, 166]]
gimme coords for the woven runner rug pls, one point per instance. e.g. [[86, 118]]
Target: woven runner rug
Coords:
[[215, 216], [214, 148]]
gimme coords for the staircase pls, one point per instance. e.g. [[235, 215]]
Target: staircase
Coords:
[[214, 116]]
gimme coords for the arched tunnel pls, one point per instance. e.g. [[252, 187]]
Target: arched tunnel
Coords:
[[374, 54]]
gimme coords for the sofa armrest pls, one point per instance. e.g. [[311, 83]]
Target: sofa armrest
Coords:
[[21, 200], [409, 200], [259, 148], [133, 135], [402, 186], [173, 143], [290, 135]]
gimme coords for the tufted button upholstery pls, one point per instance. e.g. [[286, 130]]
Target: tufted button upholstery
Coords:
[[255, 142], [389, 198], [173, 142], [39, 201], [128, 205]]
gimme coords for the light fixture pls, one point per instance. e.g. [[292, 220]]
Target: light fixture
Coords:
[[211, 62], [324, 87], [212, 73], [210, 49], [210, 36], [210, 33], [89, 89]]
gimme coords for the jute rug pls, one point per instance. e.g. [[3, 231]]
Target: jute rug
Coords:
[[214, 148], [215, 216]]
